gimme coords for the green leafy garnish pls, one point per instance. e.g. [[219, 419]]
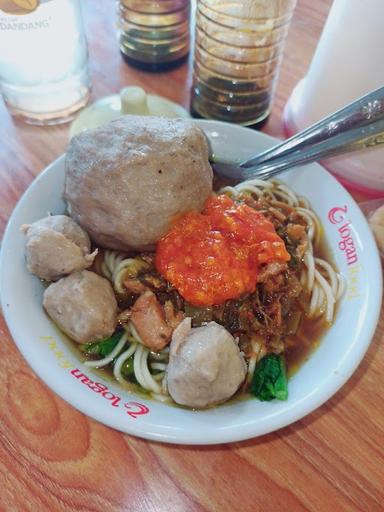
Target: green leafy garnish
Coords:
[[103, 347], [127, 370], [270, 379], [127, 367]]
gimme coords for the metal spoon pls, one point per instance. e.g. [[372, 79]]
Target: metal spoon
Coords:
[[357, 126]]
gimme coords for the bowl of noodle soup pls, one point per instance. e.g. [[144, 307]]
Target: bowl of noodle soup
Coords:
[[312, 278], [341, 272]]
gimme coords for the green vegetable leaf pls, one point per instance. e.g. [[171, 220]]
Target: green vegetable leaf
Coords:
[[270, 379], [127, 370], [127, 367], [103, 347]]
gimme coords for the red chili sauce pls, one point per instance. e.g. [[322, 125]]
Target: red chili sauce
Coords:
[[215, 255]]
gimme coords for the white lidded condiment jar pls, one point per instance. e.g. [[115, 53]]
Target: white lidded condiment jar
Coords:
[[130, 100], [346, 65]]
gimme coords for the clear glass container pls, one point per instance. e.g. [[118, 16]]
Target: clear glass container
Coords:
[[154, 35], [238, 49], [43, 60]]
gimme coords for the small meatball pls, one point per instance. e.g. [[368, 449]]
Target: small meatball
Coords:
[[205, 365], [56, 246], [376, 222], [127, 180], [148, 318], [83, 306]]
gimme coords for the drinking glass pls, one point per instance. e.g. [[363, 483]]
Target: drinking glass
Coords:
[[238, 50], [43, 59]]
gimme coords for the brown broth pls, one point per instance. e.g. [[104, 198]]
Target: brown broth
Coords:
[[300, 346]]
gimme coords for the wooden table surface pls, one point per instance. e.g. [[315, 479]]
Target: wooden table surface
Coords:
[[53, 458]]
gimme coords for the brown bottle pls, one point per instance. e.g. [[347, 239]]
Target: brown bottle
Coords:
[[154, 35], [238, 50]]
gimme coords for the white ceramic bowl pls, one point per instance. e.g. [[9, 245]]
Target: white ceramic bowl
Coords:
[[338, 355]]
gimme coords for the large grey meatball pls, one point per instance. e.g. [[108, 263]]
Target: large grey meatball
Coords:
[[205, 365], [83, 306], [56, 246], [126, 181]]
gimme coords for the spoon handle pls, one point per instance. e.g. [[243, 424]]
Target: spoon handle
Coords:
[[355, 139], [356, 126]]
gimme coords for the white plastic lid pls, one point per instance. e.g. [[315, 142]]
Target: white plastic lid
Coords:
[[131, 100]]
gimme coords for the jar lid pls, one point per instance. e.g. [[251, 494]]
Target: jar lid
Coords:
[[131, 100]]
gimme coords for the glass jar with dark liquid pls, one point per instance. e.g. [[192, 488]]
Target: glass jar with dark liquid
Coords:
[[154, 35], [238, 50]]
